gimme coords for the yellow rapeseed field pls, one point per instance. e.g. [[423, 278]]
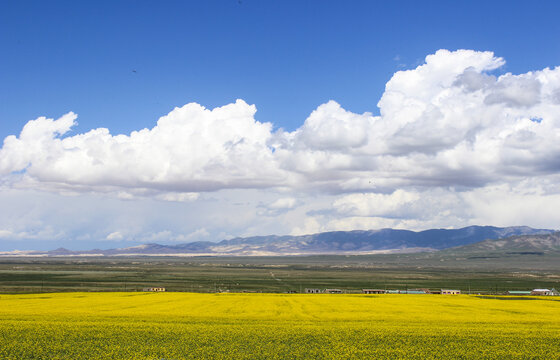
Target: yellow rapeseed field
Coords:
[[276, 326]]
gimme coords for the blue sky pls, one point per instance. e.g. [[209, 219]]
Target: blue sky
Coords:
[[284, 56], [121, 65]]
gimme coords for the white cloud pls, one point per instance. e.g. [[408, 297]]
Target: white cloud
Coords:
[[395, 204], [115, 236], [445, 123], [283, 203], [505, 204], [451, 135], [330, 127], [33, 233], [310, 226], [195, 235], [178, 197], [6, 234], [189, 150]]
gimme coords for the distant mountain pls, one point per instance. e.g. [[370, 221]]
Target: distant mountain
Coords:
[[524, 244], [336, 242]]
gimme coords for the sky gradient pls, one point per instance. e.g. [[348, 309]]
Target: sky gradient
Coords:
[[133, 122]]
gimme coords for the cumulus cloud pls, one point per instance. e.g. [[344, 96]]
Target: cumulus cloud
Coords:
[[330, 127], [191, 149], [515, 91], [446, 123], [447, 131]]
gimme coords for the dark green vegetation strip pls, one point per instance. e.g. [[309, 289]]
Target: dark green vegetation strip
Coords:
[[280, 274]]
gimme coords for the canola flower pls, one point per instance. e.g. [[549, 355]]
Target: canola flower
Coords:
[[276, 326]]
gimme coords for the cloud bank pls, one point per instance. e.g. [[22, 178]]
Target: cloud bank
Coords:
[[450, 135], [448, 122]]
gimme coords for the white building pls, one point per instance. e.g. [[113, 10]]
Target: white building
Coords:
[[450, 292], [333, 291], [155, 289], [545, 292]]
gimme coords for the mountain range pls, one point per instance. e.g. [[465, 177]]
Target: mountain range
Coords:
[[384, 241]]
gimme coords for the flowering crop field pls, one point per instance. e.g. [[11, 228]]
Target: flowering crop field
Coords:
[[276, 326]]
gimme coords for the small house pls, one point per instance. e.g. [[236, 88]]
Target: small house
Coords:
[[373, 291], [544, 292], [333, 291], [450, 292], [154, 289], [312, 291]]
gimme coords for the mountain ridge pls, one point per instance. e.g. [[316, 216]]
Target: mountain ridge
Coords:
[[380, 241]]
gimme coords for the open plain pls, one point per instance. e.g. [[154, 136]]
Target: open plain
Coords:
[[487, 273]]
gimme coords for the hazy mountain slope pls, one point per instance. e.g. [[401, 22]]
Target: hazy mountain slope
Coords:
[[519, 244], [336, 242], [372, 240]]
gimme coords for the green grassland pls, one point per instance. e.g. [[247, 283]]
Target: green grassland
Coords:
[[488, 274], [276, 326]]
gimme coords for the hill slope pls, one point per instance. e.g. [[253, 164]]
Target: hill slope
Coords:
[[337, 242], [530, 244]]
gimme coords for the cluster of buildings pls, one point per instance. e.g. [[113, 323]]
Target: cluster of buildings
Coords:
[[383, 291], [534, 292]]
